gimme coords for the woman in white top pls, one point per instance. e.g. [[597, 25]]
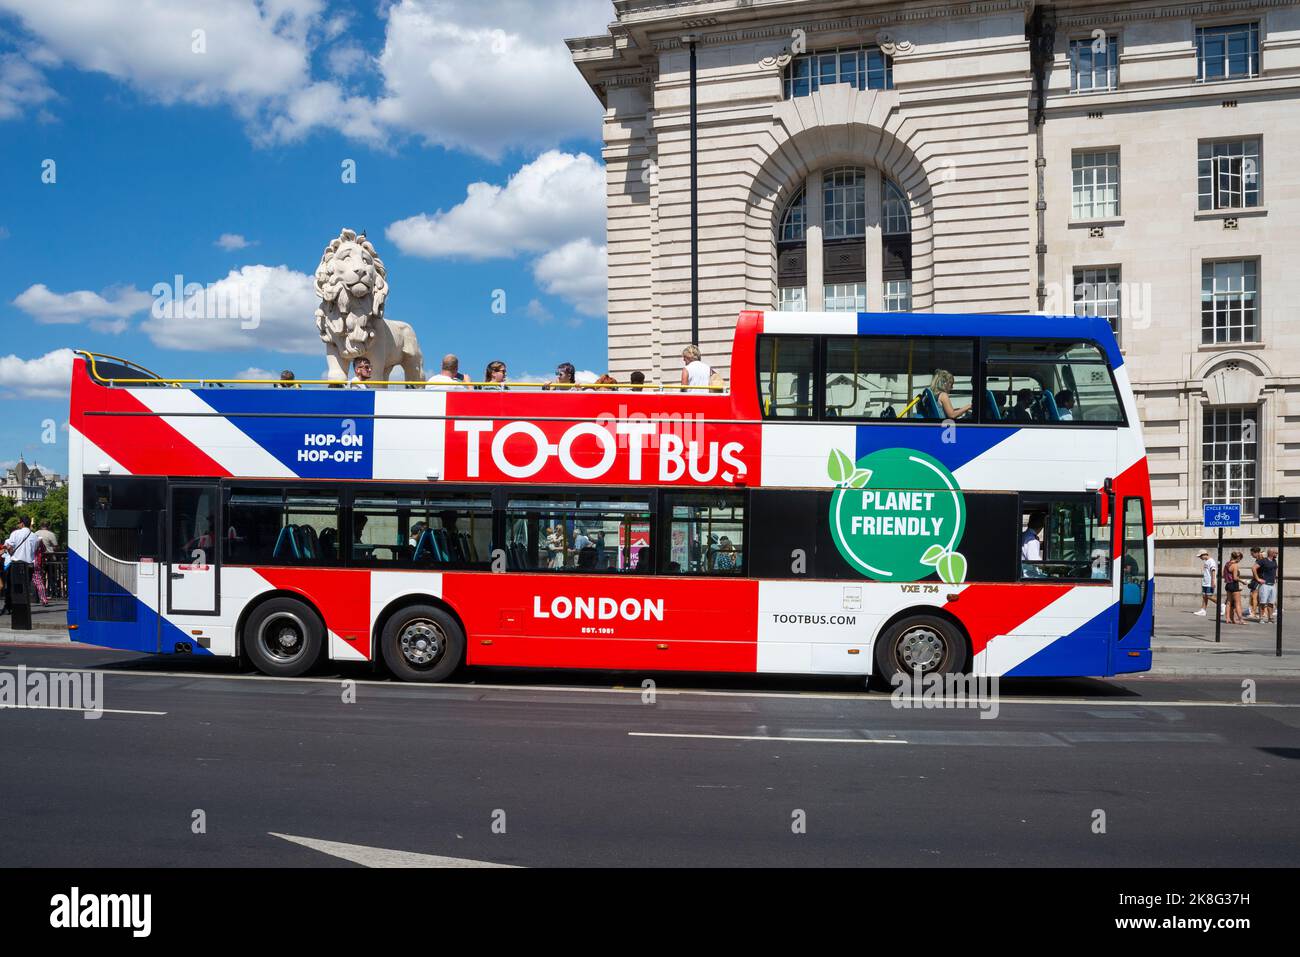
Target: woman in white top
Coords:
[[696, 372]]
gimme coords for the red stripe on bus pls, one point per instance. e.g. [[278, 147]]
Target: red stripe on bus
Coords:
[[991, 610], [342, 595], [141, 444]]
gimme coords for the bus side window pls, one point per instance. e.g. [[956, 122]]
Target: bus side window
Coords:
[[706, 534], [1061, 538], [1051, 382], [785, 377]]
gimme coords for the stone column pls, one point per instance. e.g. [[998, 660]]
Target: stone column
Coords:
[[875, 257], [816, 212]]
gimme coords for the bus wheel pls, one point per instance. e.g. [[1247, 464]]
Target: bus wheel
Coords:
[[422, 643], [923, 644], [283, 638]]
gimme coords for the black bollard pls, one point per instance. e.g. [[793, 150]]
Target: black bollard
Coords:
[[20, 596]]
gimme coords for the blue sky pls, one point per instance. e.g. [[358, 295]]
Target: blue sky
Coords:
[[206, 139]]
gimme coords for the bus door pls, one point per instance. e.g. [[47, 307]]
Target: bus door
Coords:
[[193, 556]]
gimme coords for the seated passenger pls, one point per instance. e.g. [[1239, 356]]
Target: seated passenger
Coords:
[[724, 560], [1022, 411], [942, 386], [1065, 405]]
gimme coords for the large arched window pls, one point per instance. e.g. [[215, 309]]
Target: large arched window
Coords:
[[855, 246]]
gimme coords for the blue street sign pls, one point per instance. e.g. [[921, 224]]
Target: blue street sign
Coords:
[[1222, 516]]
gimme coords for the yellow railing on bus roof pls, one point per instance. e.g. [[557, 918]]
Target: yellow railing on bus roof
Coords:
[[376, 384]]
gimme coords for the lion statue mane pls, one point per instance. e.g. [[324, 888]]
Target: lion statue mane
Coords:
[[352, 284]]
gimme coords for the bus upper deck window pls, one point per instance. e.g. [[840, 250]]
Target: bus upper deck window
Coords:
[[785, 377], [1049, 382]]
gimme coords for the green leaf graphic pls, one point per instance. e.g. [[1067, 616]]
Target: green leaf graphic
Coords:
[[859, 478], [932, 555], [952, 568], [839, 466]]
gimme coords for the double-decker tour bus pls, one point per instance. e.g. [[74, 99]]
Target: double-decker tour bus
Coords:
[[873, 494]]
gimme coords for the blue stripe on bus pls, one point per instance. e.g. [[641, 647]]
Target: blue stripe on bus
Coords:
[[141, 634], [964, 443], [336, 413], [1092, 328], [1083, 652]]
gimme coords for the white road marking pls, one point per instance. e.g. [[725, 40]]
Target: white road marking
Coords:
[[50, 707], [862, 696], [382, 857], [764, 737]]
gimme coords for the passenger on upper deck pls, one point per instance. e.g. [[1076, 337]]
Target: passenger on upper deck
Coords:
[[361, 373], [495, 376], [287, 381], [564, 376], [637, 379], [696, 372], [1023, 409], [1065, 405], [450, 377], [942, 385]]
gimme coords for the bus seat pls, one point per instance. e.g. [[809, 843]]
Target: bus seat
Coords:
[[889, 412], [927, 407], [1131, 594], [310, 543], [442, 545], [1048, 411], [286, 544], [587, 557], [991, 410], [329, 544], [424, 546]]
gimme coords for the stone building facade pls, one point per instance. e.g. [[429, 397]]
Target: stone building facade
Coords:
[[1128, 159], [28, 483]]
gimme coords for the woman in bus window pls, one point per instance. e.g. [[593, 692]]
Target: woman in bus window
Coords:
[[942, 385], [725, 558]]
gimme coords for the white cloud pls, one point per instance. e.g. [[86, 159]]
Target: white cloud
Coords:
[[46, 377], [267, 308], [479, 75], [252, 52], [556, 198], [253, 372], [105, 313], [553, 206], [488, 76], [576, 272], [22, 86], [232, 241]]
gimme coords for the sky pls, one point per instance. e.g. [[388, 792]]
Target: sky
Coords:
[[154, 143]]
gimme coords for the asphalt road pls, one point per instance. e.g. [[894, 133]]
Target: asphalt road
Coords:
[[578, 771]]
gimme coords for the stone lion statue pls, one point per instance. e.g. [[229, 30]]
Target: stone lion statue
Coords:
[[353, 287]]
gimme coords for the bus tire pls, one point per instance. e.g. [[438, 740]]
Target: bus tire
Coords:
[[924, 643], [422, 643], [284, 638]]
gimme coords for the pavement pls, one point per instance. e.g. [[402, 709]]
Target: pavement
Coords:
[[195, 763]]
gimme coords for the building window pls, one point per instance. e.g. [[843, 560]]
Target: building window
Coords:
[[1096, 185], [1228, 174], [898, 295], [845, 297], [844, 197], [793, 299], [1229, 453], [795, 221], [894, 219], [1227, 52], [1230, 301], [842, 256], [1094, 64], [1096, 293], [861, 68]]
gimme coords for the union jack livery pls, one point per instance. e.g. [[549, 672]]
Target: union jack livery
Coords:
[[875, 493]]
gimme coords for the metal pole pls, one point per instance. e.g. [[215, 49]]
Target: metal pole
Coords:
[[695, 202], [1277, 597], [1218, 599]]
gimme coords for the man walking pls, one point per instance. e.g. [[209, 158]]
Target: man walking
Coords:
[[1209, 568], [21, 545], [1256, 553]]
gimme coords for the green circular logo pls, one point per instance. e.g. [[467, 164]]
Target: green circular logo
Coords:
[[897, 515]]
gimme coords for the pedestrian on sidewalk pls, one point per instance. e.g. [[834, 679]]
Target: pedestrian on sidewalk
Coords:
[[44, 547], [1256, 553], [21, 548], [1209, 568], [1266, 571], [1232, 587]]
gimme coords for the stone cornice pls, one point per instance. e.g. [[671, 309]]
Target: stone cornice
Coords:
[[1117, 13]]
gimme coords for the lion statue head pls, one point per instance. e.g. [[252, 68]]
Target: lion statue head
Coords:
[[353, 286]]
